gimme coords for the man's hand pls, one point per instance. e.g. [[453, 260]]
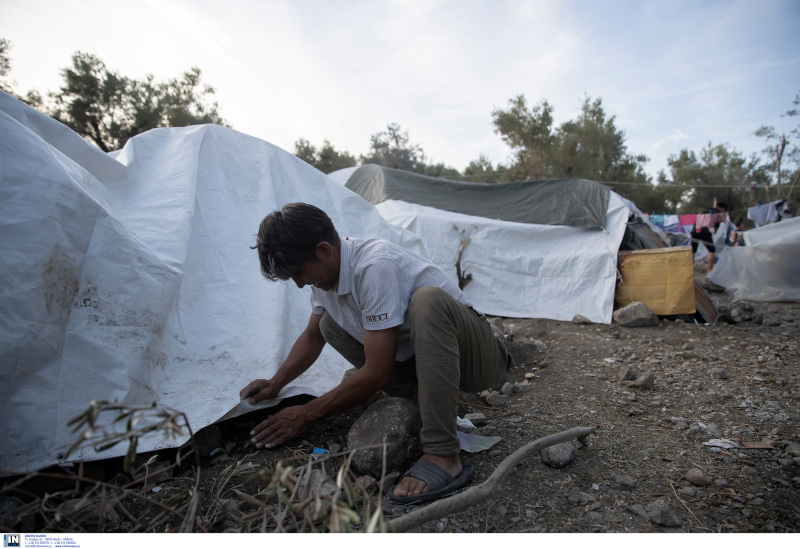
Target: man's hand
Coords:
[[260, 389], [286, 424]]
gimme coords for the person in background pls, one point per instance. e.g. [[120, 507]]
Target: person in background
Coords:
[[706, 236]]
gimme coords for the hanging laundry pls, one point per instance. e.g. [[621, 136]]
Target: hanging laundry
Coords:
[[688, 219], [765, 214], [710, 220], [672, 223]]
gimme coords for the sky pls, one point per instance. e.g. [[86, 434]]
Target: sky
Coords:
[[676, 75]]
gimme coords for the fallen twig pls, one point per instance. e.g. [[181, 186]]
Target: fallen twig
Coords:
[[679, 499], [488, 488]]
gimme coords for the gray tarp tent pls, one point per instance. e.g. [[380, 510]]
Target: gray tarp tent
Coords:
[[573, 202]]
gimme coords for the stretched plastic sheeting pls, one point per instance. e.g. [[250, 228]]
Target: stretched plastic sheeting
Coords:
[[767, 268], [573, 202], [519, 269], [129, 277]]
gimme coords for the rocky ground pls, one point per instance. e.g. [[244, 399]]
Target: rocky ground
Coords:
[[698, 431], [709, 443]]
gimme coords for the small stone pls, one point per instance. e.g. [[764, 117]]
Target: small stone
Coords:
[[595, 487], [531, 515], [720, 483], [496, 399], [746, 513], [687, 347], [697, 477], [477, 419], [627, 374], [687, 491], [645, 382], [793, 449], [748, 470], [581, 498], [660, 513], [719, 373], [365, 483], [625, 481], [507, 389], [559, 455], [334, 448], [580, 319], [521, 387], [529, 375], [681, 426], [595, 516], [786, 462], [637, 510]]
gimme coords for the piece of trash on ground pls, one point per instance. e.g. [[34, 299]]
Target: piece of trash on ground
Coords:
[[476, 443]]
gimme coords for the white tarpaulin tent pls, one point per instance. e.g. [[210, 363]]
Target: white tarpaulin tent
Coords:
[[767, 268], [129, 277], [522, 270]]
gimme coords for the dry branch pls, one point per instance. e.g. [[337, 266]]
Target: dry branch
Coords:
[[488, 488], [463, 278]]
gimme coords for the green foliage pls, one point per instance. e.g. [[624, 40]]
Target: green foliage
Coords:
[[719, 173], [482, 171], [529, 133], [108, 109], [589, 147], [327, 159], [5, 62], [393, 148]]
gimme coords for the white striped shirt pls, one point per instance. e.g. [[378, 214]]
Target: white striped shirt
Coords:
[[376, 282]]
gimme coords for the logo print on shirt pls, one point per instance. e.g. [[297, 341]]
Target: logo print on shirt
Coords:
[[377, 318]]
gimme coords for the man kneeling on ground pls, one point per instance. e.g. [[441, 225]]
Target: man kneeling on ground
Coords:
[[399, 319]]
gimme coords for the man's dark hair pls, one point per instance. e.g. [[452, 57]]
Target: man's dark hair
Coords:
[[722, 205], [287, 239]]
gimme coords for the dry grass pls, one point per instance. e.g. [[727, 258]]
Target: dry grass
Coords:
[[293, 495]]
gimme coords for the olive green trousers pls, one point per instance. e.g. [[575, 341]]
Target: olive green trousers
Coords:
[[455, 350]]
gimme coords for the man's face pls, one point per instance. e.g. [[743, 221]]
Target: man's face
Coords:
[[324, 274]]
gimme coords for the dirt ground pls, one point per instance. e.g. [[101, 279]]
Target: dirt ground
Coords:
[[737, 382], [734, 382]]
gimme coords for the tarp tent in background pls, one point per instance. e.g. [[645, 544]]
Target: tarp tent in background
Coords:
[[545, 249], [129, 278], [767, 268]]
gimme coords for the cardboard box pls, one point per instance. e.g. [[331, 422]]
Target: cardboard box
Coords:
[[662, 279]]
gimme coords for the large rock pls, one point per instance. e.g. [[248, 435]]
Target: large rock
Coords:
[[645, 381], [394, 421], [559, 455], [738, 311], [661, 513], [635, 315], [697, 477]]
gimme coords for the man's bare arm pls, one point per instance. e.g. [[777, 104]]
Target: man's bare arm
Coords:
[[380, 347], [304, 353]]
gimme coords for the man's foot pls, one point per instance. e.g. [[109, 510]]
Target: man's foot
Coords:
[[410, 486]]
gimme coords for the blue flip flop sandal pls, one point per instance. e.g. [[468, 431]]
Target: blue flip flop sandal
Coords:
[[438, 480]]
